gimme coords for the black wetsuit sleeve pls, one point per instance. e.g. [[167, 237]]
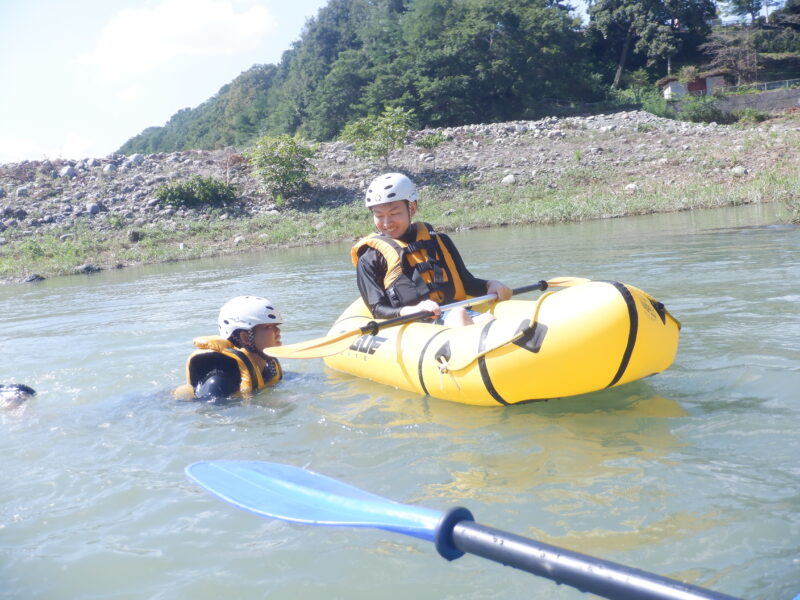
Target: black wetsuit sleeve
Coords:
[[473, 286], [370, 271], [217, 384]]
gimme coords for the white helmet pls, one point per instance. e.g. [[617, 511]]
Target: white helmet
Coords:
[[390, 187], [245, 312]]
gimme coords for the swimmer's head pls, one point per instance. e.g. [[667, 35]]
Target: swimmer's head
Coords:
[[13, 394]]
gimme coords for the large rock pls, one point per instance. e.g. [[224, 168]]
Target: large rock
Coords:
[[509, 179]]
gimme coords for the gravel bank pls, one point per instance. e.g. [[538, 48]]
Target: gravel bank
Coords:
[[640, 149]]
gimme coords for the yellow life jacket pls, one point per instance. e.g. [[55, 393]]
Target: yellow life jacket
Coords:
[[215, 352], [416, 271]]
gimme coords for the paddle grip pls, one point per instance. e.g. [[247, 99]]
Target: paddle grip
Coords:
[[585, 573], [540, 285], [443, 536]]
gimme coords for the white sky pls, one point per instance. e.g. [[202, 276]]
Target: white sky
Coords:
[[78, 78]]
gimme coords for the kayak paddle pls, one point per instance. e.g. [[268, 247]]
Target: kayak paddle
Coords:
[[339, 342], [300, 496]]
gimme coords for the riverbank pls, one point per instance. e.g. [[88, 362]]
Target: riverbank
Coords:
[[60, 217]]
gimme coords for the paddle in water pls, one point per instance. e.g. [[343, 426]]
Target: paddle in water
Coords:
[[339, 342], [300, 496]]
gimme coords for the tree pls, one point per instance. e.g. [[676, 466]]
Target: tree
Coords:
[[492, 60], [734, 51], [655, 28], [282, 163], [788, 16], [376, 137], [742, 8]]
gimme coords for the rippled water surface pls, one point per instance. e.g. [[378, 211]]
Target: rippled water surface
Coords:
[[692, 474]]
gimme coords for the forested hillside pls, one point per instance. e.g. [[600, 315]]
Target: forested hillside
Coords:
[[232, 117], [451, 61]]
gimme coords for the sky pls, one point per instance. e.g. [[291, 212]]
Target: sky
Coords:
[[79, 78]]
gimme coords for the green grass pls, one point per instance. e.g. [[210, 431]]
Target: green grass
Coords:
[[579, 192]]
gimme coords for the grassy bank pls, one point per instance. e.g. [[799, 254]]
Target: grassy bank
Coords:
[[581, 193]]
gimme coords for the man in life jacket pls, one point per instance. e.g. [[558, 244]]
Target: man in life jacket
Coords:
[[235, 361], [406, 266]]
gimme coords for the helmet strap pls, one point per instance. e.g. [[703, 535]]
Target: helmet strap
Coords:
[[251, 343]]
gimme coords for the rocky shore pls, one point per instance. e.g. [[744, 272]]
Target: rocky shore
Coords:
[[119, 192]]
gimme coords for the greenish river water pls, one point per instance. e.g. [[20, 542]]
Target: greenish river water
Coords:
[[693, 473]]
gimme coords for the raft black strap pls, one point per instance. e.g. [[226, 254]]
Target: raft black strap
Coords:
[[422, 356], [633, 317], [660, 309], [250, 367], [487, 380], [443, 353]]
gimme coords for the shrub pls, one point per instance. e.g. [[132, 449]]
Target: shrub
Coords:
[[376, 136], [750, 116], [702, 109], [648, 98], [430, 143], [688, 73], [282, 163], [196, 191]]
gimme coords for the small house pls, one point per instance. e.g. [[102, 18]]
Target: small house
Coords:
[[703, 84]]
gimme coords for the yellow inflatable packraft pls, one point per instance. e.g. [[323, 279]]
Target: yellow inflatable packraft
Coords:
[[576, 340]]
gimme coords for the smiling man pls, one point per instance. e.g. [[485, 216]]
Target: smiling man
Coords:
[[406, 266]]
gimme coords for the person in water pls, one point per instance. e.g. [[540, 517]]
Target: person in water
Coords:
[[14, 394], [407, 267], [236, 362]]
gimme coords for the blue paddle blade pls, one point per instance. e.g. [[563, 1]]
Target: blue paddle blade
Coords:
[[300, 496]]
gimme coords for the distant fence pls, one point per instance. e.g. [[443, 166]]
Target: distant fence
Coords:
[[748, 88], [757, 87]]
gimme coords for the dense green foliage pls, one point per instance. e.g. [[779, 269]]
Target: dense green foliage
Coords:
[[231, 118], [655, 29], [196, 192], [454, 62], [282, 163]]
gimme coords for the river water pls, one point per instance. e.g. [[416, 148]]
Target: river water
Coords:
[[693, 473]]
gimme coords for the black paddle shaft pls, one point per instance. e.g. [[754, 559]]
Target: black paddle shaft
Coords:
[[373, 327], [586, 573]]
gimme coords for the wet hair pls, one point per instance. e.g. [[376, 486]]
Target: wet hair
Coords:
[[251, 340], [17, 388]]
